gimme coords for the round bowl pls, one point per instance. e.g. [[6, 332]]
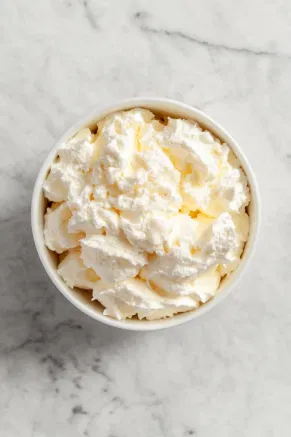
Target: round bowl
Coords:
[[82, 299]]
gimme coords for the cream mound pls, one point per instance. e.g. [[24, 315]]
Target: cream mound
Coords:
[[149, 216]]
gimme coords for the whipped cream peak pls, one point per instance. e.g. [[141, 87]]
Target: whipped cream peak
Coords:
[[78, 151], [134, 297], [147, 231], [75, 273], [68, 171], [152, 214], [183, 141], [118, 136], [92, 216], [200, 287], [219, 240], [112, 258], [56, 233]]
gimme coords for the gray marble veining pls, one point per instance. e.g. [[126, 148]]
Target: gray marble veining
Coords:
[[227, 374]]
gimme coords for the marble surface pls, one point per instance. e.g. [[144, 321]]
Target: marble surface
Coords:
[[226, 374]]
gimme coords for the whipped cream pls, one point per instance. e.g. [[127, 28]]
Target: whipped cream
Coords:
[[66, 177], [134, 297], [75, 273], [112, 258], [152, 214], [56, 234]]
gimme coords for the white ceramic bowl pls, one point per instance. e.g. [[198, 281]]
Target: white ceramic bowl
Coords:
[[82, 299]]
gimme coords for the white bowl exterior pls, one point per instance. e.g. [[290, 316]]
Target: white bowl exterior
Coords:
[[178, 110]]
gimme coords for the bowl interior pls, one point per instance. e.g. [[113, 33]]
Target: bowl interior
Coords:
[[82, 298]]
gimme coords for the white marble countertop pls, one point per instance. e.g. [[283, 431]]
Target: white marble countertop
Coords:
[[226, 374]]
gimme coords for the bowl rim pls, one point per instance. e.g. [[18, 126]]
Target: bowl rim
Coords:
[[208, 123]]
